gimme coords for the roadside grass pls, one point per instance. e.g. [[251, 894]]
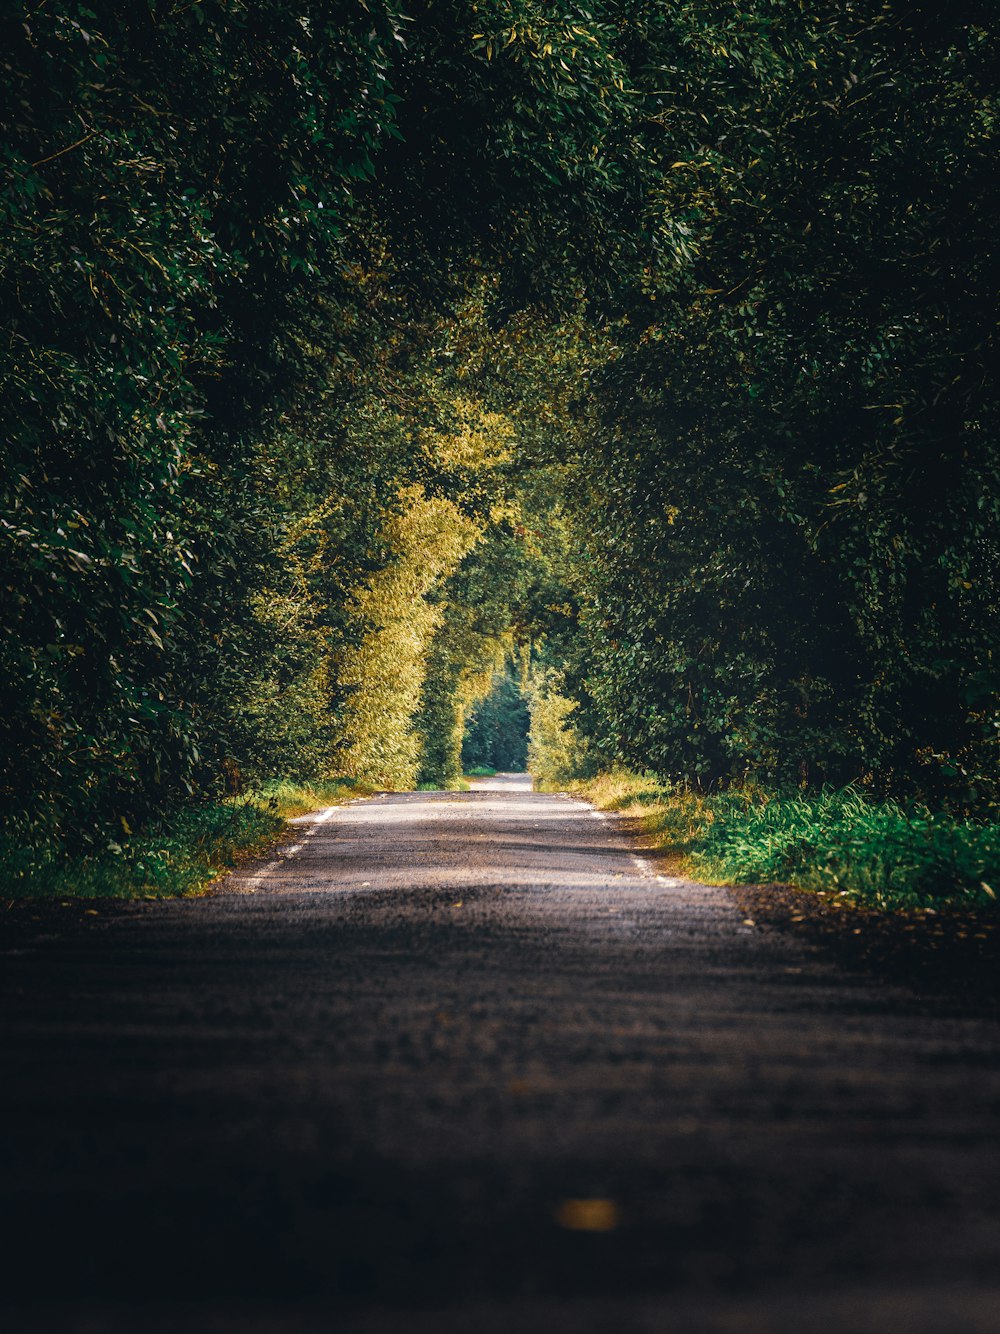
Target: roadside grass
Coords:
[[879, 853], [175, 857], [481, 771], [288, 799], [673, 819]]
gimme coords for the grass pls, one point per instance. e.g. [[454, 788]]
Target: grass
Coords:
[[880, 853], [287, 799], [175, 857], [673, 820], [481, 771]]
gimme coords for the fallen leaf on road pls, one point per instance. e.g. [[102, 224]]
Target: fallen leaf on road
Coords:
[[588, 1215]]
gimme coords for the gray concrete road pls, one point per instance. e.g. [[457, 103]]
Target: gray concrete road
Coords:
[[464, 1062]]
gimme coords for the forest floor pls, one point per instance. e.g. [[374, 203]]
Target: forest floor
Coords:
[[456, 1061]]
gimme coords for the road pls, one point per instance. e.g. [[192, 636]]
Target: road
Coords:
[[465, 1062]]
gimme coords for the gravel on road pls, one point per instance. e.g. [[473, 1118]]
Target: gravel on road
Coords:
[[465, 1061]]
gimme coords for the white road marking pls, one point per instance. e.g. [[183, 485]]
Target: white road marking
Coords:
[[251, 885], [313, 818], [643, 866]]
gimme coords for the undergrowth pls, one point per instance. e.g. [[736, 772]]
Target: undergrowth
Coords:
[[880, 853], [177, 856]]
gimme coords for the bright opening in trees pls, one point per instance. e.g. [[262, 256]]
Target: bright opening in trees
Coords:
[[352, 356]]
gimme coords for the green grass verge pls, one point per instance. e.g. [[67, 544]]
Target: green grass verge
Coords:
[[880, 853], [177, 856]]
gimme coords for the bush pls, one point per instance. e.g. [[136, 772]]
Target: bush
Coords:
[[879, 851], [175, 856]]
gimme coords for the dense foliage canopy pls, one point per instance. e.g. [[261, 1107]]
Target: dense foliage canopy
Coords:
[[352, 350]]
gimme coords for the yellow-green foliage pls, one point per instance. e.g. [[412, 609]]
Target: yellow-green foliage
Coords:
[[460, 668], [385, 671], [479, 442], [466, 650], [426, 651], [557, 750]]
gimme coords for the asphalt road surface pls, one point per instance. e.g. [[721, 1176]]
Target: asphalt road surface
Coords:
[[464, 1062]]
